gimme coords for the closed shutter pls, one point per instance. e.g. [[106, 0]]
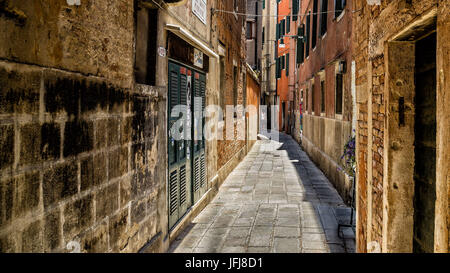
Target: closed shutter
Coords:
[[179, 182], [295, 6], [287, 64], [288, 24], [198, 165], [300, 44]]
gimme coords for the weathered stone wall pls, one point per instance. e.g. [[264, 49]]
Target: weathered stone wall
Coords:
[[374, 26], [79, 141]]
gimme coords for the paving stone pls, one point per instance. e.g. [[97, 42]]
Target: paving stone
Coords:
[[286, 232], [286, 245], [275, 200], [233, 249]]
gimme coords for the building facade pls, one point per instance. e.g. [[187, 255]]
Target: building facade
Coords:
[[89, 160], [401, 51], [254, 34], [268, 63], [324, 93], [283, 65]]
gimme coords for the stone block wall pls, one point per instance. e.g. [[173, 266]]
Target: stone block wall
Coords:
[[80, 168]]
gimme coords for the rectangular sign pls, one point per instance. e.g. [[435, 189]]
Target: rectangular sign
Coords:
[[198, 58], [199, 9]]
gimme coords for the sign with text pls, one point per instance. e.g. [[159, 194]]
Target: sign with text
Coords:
[[199, 9]]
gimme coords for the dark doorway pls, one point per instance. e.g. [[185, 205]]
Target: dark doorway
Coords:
[[425, 144]]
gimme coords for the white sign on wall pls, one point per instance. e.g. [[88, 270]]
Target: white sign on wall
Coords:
[[199, 9], [198, 58]]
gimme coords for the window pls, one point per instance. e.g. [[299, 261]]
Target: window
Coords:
[[249, 30], [339, 6], [277, 65], [307, 100], [308, 33], [277, 35], [313, 105], [235, 85], [300, 44], [314, 24], [263, 35], [145, 63], [339, 91], [264, 4], [222, 82], [322, 96], [324, 17], [287, 64], [283, 27], [295, 5], [283, 62], [288, 24]]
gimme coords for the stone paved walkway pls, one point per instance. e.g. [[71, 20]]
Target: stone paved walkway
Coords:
[[276, 200]]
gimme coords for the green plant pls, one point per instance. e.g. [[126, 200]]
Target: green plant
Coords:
[[349, 156]]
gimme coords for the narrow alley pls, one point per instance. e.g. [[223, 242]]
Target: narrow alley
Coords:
[[276, 200]]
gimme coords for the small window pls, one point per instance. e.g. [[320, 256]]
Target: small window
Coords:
[[235, 85], [263, 35], [288, 24], [314, 24], [222, 82], [307, 100], [145, 54], [308, 33], [324, 17], [339, 6], [322, 96], [339, 92], [287, 64], [313, 108], [249, 30]]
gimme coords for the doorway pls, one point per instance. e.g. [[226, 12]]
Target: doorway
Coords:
[[425, 144], [186, 153]]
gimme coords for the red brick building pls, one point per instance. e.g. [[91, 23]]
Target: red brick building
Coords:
[[324, 85], [284, 66]]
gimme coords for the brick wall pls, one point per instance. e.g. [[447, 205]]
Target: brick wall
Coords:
[[374, 26], [230, 33]]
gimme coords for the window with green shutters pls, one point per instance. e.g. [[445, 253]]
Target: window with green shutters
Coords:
[[308, 33], [295, 6], [324, 17], [314, 24], [277, 36], [288, 24], [277, 68], [287, 64], [300, 44], [264, 4]]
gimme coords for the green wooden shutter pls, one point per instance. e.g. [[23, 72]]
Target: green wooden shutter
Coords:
[[287, 64], [294, 9], [300, 44], [264, 4], [288, 24]]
